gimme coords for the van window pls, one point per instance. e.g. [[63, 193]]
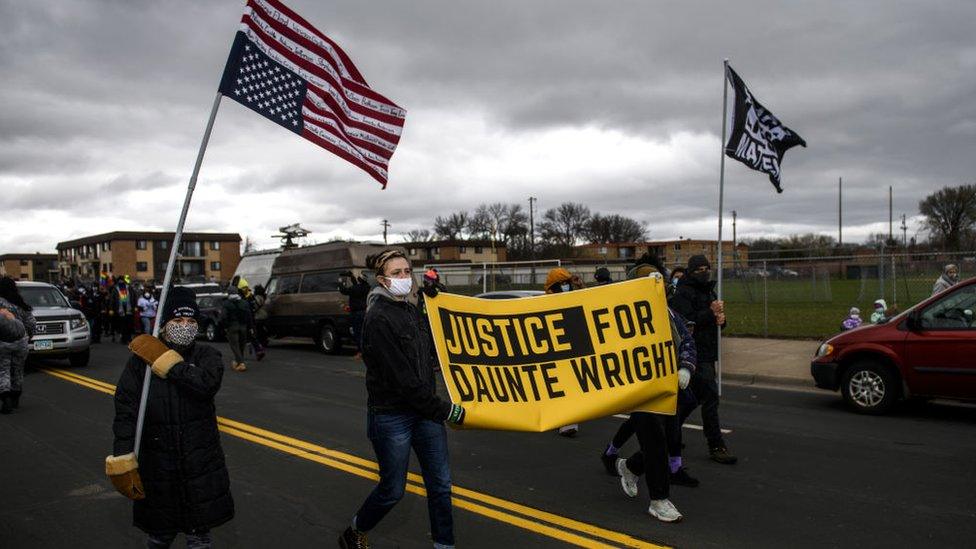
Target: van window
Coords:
[[954, 311], [288, 285], [320, 282]]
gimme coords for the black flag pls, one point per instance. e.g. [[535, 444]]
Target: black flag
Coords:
[[758, 139]]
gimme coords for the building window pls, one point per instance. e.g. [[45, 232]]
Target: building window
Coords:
[[437, 251], [105, 267], [462, 249], [140, 244], [142, 266], [677, 246], [23, 262], [192, 249], [214, 265], [412, 251], [215, 245], [109, 267], [478, 249]]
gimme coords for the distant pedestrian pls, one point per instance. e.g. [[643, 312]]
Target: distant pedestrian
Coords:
[[122, 309], [180, 482], [880, 313], [13, 349], [356, 288], [261, 315], [676, 275], [147, 305], [949, 277], [404, 410], [93, 312], [696, 301], [852, 321], [238, 324]]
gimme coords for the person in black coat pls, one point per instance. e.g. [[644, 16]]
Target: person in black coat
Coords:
[[404, 411], [696, 301], [180, 482], [356, 289]]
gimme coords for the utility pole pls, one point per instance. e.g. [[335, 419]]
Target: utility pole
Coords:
[[386, 225], [890, 233], [532, 200], [904, 232], [840, 211]]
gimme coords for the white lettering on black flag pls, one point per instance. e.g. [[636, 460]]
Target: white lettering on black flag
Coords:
[[758, 139]]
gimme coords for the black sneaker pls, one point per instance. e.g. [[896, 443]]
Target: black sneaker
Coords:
[[722, 455], [682, 478], [609, 462], [353, 539]]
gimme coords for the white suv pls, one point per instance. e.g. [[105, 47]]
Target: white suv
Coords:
[[62, 331]]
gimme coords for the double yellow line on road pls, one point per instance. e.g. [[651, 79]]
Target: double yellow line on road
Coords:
[[529, 518]]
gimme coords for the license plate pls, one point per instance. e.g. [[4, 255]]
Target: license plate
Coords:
[[43, 345]]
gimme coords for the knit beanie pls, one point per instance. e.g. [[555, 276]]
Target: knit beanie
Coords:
[[696, 261], [602, 275], [180, 303]]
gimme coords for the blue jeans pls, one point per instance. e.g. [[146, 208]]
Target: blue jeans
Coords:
[[392, 435]]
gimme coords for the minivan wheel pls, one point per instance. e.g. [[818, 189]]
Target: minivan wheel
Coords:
[[869, 388], [326, 339], [79, 360]]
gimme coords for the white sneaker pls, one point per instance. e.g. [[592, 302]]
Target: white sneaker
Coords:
[[569, 430], [664, 511], [628, 480]]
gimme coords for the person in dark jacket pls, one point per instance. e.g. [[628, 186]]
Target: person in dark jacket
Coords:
[[695, 300], [404, 410], [180, 482], [238, 325], [13, 355], [122, 307], [357, 289]]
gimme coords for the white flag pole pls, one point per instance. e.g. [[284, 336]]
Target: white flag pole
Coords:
[[721, 197], [174, 250]]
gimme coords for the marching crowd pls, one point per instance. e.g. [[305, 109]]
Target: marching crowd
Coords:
[[179, 483]]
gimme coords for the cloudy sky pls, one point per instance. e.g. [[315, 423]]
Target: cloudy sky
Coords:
[[613, 104]]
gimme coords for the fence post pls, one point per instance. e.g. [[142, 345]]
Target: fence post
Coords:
[[881, 277], [894, 282], [484, 278], [765, 304]]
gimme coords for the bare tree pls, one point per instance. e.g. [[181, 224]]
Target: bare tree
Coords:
[[950, 213], [417, 235], [563, 226], [451, 227], [480, 223], [248, 244], [614, 228]]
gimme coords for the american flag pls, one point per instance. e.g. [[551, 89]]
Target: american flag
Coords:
[[283, 68]]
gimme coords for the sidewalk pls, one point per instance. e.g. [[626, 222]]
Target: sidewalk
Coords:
[[775, 361]]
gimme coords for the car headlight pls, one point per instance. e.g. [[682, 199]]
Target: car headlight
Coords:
[[78, 323], [825, 350]]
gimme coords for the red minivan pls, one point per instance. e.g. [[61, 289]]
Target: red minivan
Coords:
[[927, 351]]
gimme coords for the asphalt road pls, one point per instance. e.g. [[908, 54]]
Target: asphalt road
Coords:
[[810, 473]]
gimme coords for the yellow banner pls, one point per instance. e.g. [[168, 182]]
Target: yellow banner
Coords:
[[537, 363]]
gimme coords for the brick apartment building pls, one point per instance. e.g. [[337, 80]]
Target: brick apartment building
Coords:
[[455, 251], [673, 252], [36, 266], [143, 255]]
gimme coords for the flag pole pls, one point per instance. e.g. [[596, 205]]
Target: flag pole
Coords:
[[170, 265], [721, 197]]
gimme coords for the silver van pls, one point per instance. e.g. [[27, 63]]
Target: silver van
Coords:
[[62, 331]]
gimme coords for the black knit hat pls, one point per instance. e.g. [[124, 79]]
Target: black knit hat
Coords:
[[602, 275], [180, 303], [696, 261]]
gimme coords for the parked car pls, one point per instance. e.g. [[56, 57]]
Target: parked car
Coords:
[[303, 293], [927, 351], [510, 294], [211, 312], [62, 330]]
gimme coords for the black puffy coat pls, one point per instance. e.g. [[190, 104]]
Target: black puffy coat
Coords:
[[181, 461], [399, 365], [692, 300]]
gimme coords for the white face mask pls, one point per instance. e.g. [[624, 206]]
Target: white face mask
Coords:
[[400, 286]]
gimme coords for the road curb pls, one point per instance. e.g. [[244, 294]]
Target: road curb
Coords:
[[754, 379]]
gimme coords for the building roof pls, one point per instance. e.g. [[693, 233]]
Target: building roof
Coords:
[[655, 243], [454, 242], [146, 235], [35, 255]]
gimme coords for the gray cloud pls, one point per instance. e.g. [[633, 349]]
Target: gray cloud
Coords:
[[107, 98]]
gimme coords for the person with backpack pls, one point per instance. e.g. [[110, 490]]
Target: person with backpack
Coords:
[[238, 324]]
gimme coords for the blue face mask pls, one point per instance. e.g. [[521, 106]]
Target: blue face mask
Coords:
[[565, 287]]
